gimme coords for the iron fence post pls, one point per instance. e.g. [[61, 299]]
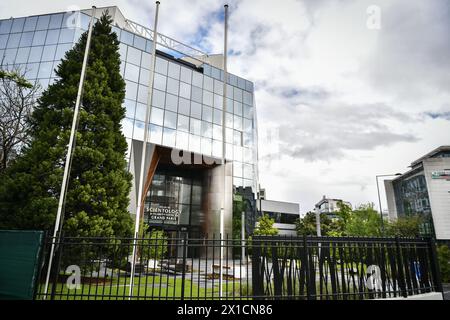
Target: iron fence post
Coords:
[[183, 272], [435, 269], [401, 276]]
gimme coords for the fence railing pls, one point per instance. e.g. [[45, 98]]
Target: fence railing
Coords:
[[181, 267]]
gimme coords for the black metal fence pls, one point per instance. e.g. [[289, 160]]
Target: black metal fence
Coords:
[[179, 267]]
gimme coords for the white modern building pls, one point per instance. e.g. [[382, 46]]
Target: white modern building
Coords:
[[424, 190], [329, 206], [186, 114], [284, 213]]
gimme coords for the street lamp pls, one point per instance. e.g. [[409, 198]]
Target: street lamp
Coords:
[[379, 198]]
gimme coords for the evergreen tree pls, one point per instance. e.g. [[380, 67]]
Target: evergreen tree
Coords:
[[99, 185], [265, 227]]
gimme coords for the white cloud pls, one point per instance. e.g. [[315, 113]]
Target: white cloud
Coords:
[[348, 102]]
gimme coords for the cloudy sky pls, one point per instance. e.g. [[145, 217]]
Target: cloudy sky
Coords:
[[345, 89]]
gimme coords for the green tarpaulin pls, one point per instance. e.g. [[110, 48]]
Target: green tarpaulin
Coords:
[[19, 263]]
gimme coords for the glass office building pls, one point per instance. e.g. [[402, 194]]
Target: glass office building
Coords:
[[186, 114]]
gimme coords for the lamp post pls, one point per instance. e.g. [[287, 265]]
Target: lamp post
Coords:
[[379, 198]]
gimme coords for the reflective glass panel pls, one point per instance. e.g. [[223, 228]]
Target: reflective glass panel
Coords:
[[158, 98], [35, 54], [27, 39], [49, 53], [14, 40], [174, 70], [183, 123], [172, 86], [185, 90], [157, 116], [207, 113], [39, 38], [30, 24], [22, 55], [171, 102], [170, 120], [184, 106], [160, 82], [196, 110], [186, 75]]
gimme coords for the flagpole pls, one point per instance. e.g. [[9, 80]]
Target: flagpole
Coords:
[[144, 150], [64, 185], [222, 210]]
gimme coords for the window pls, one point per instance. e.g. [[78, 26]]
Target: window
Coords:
[[172, 86], [196, 110], [144, 77], [161, 66], [126, 37], [45, 70], [56, 20], [160, 82], [130, 90], [196, 94], [61, 50], [217, 117], [218, 101], [157, 116], [158, 98], [197, 79], [130, 107], [170, 120], [52, 37], [186, 75], [66, 35], [169, 136], [30, 24], [9, 56], [39, 38], [183, 123], [139, 42], [138, 132], [131, 72], [32, 69], [207, 98], [248, 98], [229, 120], [185, 90], [142, 94], [155, 134], [171, 102], [237, 94], [42, 22], [237, 108], [134, 56], [207, 113], [17, 25], [5, 26], [248, 112], [35, 54], [217, 132], [127, 127], [14, 40], [140, 111], [22, 55], [184, 106], [174, 70], [218, 87], [207, 129], [3, 41], [237, 122], [196, 127], [208, 83], [49, 53], [27, 39]]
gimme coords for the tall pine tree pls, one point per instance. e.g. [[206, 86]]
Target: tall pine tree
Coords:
[[99, 184]]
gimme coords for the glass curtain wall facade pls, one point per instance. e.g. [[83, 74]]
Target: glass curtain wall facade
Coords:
[[187, 103]]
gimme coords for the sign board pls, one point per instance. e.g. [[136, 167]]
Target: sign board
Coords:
[[165, 214], [441, 174]]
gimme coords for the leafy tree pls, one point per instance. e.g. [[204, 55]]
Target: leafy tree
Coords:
[[154, 244], [443, 253], [238, 207], [17, 98], [265, 227], [405, 227], [364, 221], [99, 184], [307, 225]]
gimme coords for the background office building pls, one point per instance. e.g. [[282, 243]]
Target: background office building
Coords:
[[283, 213], [424, 190], [186, 113], [329, 206]]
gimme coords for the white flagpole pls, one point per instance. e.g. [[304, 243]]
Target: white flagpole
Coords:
[[62, 195], [222, 210], [144, 150]]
